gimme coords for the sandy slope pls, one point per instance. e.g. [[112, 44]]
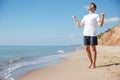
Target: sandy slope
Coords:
[[110, 37]]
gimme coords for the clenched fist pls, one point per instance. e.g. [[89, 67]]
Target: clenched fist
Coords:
[[74, 17], [103, 14]]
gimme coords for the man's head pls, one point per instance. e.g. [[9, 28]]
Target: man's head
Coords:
[[92, 7]]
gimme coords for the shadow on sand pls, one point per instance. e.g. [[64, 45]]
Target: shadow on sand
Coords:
[[108, 65]]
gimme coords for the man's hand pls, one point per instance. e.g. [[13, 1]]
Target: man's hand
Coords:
[[101, 22], [79, 24], [103, 14], [74, 17]]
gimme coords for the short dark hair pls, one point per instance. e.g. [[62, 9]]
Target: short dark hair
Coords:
[[94, 5]]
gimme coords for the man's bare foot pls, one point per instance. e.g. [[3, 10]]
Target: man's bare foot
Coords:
[[90, 65], [93, 66]]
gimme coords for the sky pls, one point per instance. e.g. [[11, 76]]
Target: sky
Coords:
[[49, 22]]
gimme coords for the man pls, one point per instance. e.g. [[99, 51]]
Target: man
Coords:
[[90, 37]]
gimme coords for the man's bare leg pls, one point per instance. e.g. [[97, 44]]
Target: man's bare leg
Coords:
[[89, 55], [94, 56]]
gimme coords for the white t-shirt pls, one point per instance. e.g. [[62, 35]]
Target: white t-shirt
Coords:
[[90, 22]]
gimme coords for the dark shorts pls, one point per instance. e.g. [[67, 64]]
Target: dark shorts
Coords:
[[90, 40]]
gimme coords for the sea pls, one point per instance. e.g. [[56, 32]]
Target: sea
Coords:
[[15, 61]]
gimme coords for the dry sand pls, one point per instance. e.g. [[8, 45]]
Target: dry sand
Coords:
[[75, 67]]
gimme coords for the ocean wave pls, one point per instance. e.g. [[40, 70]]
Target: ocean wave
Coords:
[[7, 62], [60, 51], [6, 73]]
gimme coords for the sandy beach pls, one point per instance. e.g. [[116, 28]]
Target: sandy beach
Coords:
[[75, 67]]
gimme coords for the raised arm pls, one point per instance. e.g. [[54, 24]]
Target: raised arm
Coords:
[[101, 22], [79, 24]]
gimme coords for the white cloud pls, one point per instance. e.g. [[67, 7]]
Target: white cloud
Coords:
[[86, 7], [71, 36], [112, 20]]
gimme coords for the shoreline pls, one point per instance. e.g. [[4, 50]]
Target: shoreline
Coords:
[[75, 67]]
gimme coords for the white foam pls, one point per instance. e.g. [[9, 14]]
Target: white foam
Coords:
[[60, 51], [10, 61], [7, 73]]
